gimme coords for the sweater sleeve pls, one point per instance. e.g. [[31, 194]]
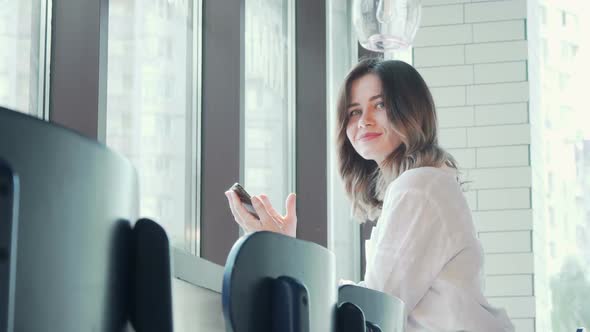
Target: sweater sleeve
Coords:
[[411, 247]]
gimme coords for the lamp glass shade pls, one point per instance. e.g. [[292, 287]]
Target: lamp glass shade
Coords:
[[386, 25]]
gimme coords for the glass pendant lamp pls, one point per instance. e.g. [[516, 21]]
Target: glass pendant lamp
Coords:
[[386, 25]]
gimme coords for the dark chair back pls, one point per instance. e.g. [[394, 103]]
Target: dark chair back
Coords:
[[9, 193], [383, 311], [274, 282], [151, 288], [69, 243]]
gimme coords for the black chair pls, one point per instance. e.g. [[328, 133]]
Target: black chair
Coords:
[[69, 252], [151, 279], [382, 312], [350, 318], [274, 282], [9, 193]]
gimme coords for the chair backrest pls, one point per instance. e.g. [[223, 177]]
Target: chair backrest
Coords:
[[74, 252], [9, 193], [151, 288], [350, 318], [263, 268], [76, 206], [382, 310]]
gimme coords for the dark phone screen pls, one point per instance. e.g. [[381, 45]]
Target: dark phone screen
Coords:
[[242, 194]]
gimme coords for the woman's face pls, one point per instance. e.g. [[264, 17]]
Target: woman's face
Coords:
[[369, 130]]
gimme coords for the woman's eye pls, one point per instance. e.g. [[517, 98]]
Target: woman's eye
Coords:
[[380, 105], [354, 113]]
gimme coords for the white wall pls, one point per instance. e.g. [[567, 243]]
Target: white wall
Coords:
[[473, 56], [196, 308]]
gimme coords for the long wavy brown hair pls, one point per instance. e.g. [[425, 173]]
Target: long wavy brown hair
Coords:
[[411, 111]]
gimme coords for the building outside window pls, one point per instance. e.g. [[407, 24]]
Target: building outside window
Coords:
[[151, 108], [269, 119], [22, 55], [561, 158]]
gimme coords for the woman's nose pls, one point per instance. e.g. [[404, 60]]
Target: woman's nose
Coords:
[[366, 119]]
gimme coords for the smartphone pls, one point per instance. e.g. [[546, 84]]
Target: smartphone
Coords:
[[244, 198]]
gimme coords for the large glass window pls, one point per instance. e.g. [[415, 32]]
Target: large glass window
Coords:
[[269, 99], [22, 55], [560, 154], [152, 101], [343, 231]]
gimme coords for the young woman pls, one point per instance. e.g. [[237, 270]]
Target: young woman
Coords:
[[424, 248]]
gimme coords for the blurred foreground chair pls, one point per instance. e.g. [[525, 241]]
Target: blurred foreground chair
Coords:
[[382, 312], [151, 279], [273, 282], [71, 252]]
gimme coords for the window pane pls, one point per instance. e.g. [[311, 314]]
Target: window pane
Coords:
[[20, 26], [560, 159], [343, 231], [150, 117], [269, 164]]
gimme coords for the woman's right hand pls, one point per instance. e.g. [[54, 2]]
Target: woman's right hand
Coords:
[[270, 219]]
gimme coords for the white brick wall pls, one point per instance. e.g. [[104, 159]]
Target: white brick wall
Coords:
[[509, 285], [496, 52], [524, 325], [501, 113], [441, 15], [449, 117], [505, 242], [499, 31], [449, 96], [517, 307], [517, 155], [465, 157], [503, 220], [448, 75], [498, 135], [444, 35], [511, 263], [453, 137], [504, 199], [497, 93], [439, 56], [495, 11], [473, 56]]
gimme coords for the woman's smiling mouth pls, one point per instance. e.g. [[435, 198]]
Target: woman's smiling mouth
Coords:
[[368, 136]]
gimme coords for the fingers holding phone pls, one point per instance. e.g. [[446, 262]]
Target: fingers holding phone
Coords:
[[244, 198], [242, 216], [257, 214]]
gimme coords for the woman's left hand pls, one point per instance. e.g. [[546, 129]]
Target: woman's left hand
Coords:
[[270, 219]]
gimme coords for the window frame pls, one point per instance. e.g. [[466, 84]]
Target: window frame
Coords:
[[79, 54]]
